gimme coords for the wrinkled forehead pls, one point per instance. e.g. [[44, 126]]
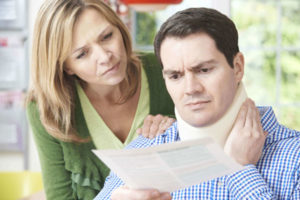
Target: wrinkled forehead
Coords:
[[188, 51], [89, 24]]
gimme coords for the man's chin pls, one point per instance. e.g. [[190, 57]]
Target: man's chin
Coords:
[[198, 123], [199, 118]]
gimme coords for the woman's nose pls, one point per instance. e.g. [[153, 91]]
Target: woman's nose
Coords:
[[102, 55]]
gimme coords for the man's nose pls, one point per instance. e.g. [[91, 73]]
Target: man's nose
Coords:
[[102, 55], [192, 85]]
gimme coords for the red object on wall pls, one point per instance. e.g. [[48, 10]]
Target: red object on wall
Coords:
[[151, 1], [149, 5]]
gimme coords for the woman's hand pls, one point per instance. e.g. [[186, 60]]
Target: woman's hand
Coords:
[[124, 193], [155, 125], [247, 138]]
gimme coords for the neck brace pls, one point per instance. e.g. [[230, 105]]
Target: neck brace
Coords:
[[218, 131]]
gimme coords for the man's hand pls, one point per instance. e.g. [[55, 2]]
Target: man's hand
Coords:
[[154, 125], [124, 193], [247, 138]]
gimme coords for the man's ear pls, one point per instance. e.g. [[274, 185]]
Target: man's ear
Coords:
[[238, 64]]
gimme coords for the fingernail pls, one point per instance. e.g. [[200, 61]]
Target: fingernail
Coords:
[[166, 196], [155, 194]]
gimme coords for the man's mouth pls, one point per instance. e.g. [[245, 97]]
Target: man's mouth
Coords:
[[196, 105]]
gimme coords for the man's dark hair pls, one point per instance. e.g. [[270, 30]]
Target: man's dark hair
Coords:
[[196, 20]]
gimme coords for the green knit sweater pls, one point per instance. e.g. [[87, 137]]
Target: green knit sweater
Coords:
[[72, 171]]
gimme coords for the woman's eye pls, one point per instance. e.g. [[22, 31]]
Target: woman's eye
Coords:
[[82, 54], [107, 36]]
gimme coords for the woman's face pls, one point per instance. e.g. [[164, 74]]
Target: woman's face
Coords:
[[98, 54]]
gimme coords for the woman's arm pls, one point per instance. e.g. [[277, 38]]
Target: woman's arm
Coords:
[[56, 179]]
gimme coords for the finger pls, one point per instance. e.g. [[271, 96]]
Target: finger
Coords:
[[170, 121], [259, 122], [257, 115], [167, 124], [240, 119], [253, 115], [148, 194], [166, 196], [146, 126], [163, 125], [157, 120], [249, 116], [257, 130], [125, 193], [139, 130]]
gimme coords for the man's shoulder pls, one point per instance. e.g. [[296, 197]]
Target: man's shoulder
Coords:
[[170, 135], [281, 152], [286, 146], [276, 131]]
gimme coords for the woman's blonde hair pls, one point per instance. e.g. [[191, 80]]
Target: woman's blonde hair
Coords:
[[51, 87]]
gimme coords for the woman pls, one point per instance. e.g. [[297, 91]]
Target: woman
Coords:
[[88, 90]]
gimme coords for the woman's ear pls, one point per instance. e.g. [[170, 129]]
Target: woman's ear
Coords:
[[238, 66], [68, 70]]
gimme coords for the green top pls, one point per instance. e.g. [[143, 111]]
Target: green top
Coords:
[[102, 136], [72, 171]]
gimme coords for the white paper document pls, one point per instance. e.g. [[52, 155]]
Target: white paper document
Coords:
[[169, 167]]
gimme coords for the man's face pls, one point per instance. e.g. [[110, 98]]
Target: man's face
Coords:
[[198, 77]]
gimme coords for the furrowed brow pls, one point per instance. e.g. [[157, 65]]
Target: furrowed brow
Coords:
[[170, 72], [102, 32], [202, 64]]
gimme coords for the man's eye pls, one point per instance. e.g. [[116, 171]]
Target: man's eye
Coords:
[[174, 77], [107, 36], [205, 70], [81, 55]]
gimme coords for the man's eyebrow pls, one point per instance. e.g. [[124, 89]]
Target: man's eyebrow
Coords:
[[99, 35], [201, 64], [169, 72]]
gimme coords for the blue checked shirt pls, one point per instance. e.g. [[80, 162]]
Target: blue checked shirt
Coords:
[[276, 175]]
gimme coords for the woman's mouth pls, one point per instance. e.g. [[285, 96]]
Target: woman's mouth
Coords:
[[112, 69]]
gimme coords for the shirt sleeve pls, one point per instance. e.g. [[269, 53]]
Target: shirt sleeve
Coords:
[[112, 182]]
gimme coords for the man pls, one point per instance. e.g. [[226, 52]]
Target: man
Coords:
[[203, 69]]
